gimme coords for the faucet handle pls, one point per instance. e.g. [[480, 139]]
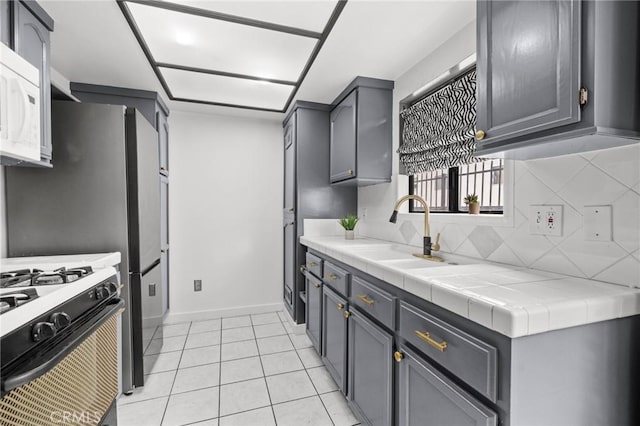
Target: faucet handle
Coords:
[[436, 246]]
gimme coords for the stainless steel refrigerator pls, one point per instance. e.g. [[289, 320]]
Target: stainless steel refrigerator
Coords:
[[102, 195]]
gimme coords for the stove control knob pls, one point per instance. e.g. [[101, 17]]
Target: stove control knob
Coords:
[[42, 330], [102, 292], [60, 320], [113, 288]]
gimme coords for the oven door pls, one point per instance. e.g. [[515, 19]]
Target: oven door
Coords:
[[73, 380]]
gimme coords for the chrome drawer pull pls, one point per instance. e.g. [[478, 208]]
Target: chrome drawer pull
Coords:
[[426, 336], [332, 277], [365, 299]]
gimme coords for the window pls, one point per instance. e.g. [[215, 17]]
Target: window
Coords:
[[445, 189]]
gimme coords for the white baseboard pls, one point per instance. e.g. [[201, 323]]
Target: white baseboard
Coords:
[[177, 317]]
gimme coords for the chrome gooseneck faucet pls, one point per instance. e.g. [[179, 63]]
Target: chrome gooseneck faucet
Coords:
[[427, 247]]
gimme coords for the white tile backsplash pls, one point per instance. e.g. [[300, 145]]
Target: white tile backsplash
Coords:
[[607, 177]]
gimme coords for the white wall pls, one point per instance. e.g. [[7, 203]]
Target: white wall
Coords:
[[608, 177], [225, 212]]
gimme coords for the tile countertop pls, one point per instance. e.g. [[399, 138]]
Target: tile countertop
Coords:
[[511, 300]]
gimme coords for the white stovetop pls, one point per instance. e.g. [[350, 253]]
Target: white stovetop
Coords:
[[510, 300], [95, 260], [48, 298]]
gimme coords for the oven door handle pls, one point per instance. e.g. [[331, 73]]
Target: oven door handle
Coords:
[[44, 362]]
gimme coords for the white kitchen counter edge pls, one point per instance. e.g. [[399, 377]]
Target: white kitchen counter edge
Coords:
[[532, 302]]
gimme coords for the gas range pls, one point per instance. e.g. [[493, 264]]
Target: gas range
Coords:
[[41, 296]]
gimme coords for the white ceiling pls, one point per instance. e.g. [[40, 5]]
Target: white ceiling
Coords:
[[92, 43]]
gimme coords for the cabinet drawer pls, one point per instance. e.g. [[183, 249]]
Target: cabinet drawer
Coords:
[[472, 360], [314, 265], [372, 300], [336, 278]]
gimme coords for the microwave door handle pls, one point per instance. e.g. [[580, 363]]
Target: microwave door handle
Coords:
[[24, 97]]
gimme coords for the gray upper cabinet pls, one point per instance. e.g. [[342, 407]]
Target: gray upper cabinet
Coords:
[[556, 77], [343, 139], [428, 398], [361, 133], [334, 336], [370, 384], [534, 86]]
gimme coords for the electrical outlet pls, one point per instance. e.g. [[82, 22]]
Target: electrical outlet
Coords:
[[152, 290], [197, 285], [545, 220]]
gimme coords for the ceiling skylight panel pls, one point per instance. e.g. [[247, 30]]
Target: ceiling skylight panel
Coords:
[[216, 89], [309, 15], [204, 43]]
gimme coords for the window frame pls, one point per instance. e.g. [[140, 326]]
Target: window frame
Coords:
[[453, 186]]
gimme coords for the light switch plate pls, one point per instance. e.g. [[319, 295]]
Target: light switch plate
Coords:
[[545, 220], [597, 223]]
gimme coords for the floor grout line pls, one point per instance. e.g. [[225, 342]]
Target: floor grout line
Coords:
[[264, 377]]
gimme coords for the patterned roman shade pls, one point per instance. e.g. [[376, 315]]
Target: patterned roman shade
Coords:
[[438, 131]]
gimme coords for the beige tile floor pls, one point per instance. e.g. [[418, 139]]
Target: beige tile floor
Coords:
[[239, 371]]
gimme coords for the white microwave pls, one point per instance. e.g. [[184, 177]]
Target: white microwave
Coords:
[[19, 107]]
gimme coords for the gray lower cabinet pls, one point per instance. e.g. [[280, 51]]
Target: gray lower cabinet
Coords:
[[314, 310], [370, 375], [334, 336], [427, 398]]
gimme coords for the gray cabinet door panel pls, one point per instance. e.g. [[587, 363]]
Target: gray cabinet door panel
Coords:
[[163, 141], [469, 358], [427, 398], [289, 167], [31, 40], [336, 278], [343, 139], [314, 310], [369, 367], [374, 301], [334, 336], [528, 66]]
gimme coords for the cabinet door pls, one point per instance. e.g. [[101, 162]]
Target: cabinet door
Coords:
[[163, 141], [369, 367], [290, 266], [164, 278], [5, 22], [164, 212], [289, 167], [334, 336], [427, 398], [32, 43], [528, 66], [343, 139], [314, 310]]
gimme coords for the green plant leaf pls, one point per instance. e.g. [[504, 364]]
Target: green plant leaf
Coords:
[[349, 222]]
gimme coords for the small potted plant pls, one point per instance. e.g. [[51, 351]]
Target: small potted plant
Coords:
[[349, 224], [472, 201]]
